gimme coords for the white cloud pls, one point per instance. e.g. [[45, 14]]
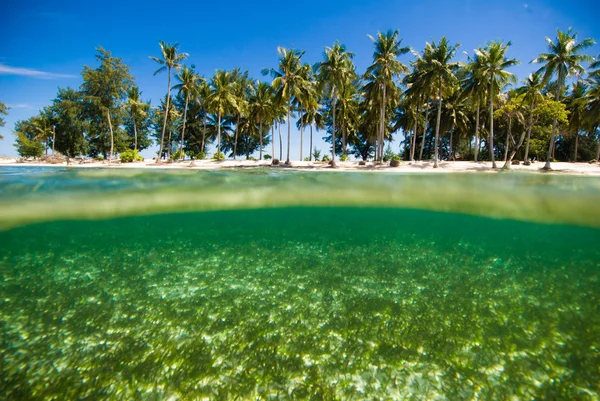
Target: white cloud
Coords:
[[20, 106], [28, 72]]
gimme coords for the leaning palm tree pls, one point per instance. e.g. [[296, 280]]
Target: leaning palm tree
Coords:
[[435, 67], [385, 68], [188, 85], [493, 65], [289, 81], [262, 107], [171, 59], [222, 100], [563, 59], [333, 73]]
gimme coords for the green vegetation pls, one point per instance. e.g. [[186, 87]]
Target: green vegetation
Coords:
[[130, 156], [3, 112], [435, 107]]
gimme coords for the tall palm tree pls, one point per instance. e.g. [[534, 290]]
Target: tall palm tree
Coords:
[[385, 68], [262, 108], [188, 85], [563, 59], [204, 93], [289, 81], [333, 73], [493, 65], [136, 107], [475, 89], [222, 99], [171, 59], [242, 87], [577, 102], [436, 68], [531, 92]]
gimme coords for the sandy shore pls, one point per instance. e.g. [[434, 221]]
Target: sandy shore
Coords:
[[405, 167]]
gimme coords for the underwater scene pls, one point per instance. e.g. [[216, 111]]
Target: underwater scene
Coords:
[[270, 284]]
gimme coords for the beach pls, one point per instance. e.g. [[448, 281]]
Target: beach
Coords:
[[580, 168]]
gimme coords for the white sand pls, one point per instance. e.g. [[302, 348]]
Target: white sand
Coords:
[[405, 167]]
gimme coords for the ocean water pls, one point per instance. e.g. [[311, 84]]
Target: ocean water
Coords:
[[277, 285]]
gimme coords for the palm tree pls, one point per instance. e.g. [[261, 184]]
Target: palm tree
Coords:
[[531, 92], [222, 99], [170, 59], [564, 59], [204, 92], [577, 102], [188, 85], [386, 67], [435, 67], [493, 65], [289, 81], [333, 73], [262, 107], [474, 88], [136, 107], [241, 88]]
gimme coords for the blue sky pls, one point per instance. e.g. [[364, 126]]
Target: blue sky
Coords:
[[46, 43]]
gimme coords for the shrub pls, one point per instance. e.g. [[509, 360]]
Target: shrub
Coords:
[[252, 158], [275, 162], [178, 155], [396, 157], [362, 163], [197, 155], [307, 159], [99, 157], [344, 158], [325, 158], [388, 154], [218, 156], [316, 154], [266, 157], [129, 156]]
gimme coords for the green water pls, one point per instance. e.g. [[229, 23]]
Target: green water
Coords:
[[279, 285]]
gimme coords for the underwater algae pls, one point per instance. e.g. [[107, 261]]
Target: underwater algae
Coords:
[[300, 303]]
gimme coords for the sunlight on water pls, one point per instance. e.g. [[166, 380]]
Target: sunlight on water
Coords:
[[271, 295]]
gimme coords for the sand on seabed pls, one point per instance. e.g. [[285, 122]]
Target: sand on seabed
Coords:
[[405, 166]]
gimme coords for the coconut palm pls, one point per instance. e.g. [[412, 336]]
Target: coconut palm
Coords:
[[204, 92], [333, 73], [242, 87], [136, 108], [564, 60], [385, 68], [289, 81], [188, 86], [577, 102], [262, 107], [435, 67], [222, 99], [531, 92], [493, 72], [475, 89], [171, 59]]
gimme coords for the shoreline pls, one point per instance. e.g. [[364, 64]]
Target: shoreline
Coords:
[[563, 168]]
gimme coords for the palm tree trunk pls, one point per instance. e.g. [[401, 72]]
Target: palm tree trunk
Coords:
[[382, 124], [280, 142], [301, 140], [413, 139], [515, 150], [508, 136], [289, 110], [219, 136], [273, 141], [169, 147], [162, 136], [237, 124], [181, 155], [111, 136], [53, 137], [529, 127], [134, 134], [203, 131], [492, 127], [576, 143], [437, 127], [554, 125], [260, 140], [344, 139], [450, 156], [477, 132], [598, 151], [333, 128], [311, 149], [424, 131]]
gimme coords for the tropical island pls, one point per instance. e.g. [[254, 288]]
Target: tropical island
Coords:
[[440, 110]]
